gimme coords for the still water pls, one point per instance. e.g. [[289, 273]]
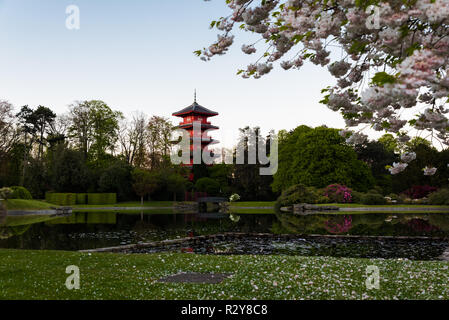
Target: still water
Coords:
[[95, 230]]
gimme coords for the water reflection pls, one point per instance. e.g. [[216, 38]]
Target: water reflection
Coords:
[[375, 224], [93, 230]]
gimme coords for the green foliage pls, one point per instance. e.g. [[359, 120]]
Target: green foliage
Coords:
[[81, 198], [373, 199], [208, 185], [389, 142], [116, 178], [377, 156], [95, 126], [381, 78], [440, 197], [222, 173], [5, 193], [297, 194], [68, 170], [144, 182], [101, 198], [61, 199], [357, 197], [20, 193], [71, 199], [323, 199], [318, 157]]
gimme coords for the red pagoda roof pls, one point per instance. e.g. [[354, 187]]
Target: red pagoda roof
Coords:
[[195, 108]]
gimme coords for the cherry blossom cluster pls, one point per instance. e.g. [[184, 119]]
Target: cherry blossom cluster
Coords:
[[394, 56]]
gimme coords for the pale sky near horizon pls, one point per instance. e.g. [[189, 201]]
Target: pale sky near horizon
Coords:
[[137, 55]]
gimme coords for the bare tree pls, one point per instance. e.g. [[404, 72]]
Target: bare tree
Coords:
[[132, 139], [9, 133]]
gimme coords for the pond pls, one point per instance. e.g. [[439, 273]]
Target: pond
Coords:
[[80, 231]]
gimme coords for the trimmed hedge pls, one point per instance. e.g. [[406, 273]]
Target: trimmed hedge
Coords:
[[61, 199], [101, 198], [81, 198], [70, 199]]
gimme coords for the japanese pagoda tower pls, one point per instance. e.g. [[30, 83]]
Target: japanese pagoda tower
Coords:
[[197, 113]]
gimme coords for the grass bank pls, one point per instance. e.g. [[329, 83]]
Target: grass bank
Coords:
[[41, 275], [20, 204]]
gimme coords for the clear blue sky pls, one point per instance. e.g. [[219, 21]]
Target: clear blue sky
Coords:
[[137, 55]]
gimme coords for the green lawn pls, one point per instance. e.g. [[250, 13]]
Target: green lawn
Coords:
[[20, 204], [41, 275]]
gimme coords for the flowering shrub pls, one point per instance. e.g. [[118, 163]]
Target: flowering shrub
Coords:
[[338, 193], [418, 192]]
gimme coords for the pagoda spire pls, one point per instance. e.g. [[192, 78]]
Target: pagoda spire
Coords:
[[194, 96]]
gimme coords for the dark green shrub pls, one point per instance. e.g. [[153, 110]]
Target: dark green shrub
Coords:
[[20, 193], [211, 186], [101, 198], [440, 197], [373, 198], [323, 199], [357, 196], [81, 198], [377, 190], [296, 194]]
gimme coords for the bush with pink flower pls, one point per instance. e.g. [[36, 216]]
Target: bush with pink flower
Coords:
[[338, 193]]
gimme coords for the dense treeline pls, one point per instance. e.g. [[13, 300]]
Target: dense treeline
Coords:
[[93, 148]]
